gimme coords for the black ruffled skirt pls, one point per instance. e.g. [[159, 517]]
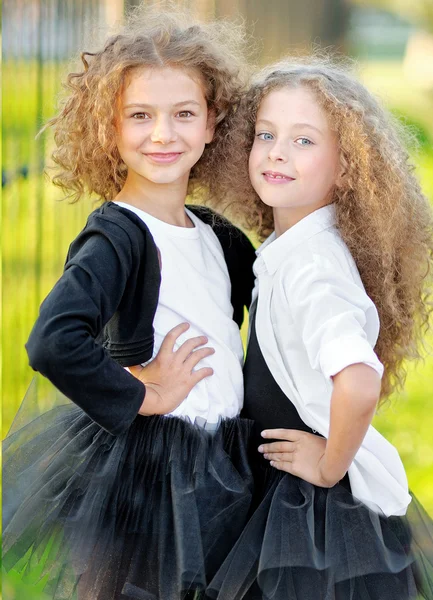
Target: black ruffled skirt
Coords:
[[309, 543], [304, 542], [150, 514]]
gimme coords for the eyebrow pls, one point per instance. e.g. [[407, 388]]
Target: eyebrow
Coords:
[[177, 105], [298, 125]]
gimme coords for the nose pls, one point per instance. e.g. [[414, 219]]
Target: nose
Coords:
[[277, 153], [163, 131]]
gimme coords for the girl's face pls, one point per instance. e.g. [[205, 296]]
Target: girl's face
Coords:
[[163, 125], [294, 161]]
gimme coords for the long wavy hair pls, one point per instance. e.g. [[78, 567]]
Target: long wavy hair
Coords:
[[86, 156], [382, 215]]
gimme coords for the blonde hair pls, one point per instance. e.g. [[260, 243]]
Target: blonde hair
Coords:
[[382, 216], [86, 156]]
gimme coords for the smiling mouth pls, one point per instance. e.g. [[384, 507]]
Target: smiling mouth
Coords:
[[274, 177], [164, 157]]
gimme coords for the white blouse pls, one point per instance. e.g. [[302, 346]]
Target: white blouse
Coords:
[[313, 319]]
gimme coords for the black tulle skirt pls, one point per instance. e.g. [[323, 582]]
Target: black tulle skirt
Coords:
[[149, 514], [309, 543]]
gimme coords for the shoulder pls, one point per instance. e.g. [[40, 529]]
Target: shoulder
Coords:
[[115, 224], [211, 217], [111, 218], [112, 230], [329, 249], [324, 253], [222, 227], [323, 268]]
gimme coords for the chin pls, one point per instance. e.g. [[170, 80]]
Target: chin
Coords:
[[163, 178], [274, 203]]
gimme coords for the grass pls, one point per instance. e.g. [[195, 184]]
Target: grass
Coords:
[[37, 230]]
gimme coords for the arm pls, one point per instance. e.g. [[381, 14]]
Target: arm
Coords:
[[330, 311], [354, 399], [62, 343], [320, 461], [63, 347]]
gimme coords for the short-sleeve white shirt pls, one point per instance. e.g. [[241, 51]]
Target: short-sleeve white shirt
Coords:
[[314, 318]]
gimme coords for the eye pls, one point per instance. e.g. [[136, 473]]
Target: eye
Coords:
[[140, 116], [266, 136], [303, 141], [185, 114]]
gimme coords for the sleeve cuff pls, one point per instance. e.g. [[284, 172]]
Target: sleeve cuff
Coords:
[[345, 351]]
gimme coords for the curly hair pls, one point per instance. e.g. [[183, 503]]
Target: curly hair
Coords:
[[86, 154], [382, 216]]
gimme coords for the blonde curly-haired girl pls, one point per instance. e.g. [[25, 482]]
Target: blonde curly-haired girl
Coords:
[[341, 300], [138, 488]]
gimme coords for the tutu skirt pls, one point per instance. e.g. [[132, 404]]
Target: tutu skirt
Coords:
[[309, 543], [304, 542], [149, 514]]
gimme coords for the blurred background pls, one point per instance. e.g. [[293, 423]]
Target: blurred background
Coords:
[[392, 42]]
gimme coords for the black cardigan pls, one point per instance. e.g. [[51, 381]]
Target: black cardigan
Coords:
[[103, 306]]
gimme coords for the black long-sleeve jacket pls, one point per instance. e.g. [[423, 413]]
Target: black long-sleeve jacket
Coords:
[[98, 318]]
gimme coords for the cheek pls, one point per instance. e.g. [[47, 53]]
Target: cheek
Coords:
[[128, 136], [325, 174], [253, 161], [120, 143], [196, 136], [312, 162], [321, 164]]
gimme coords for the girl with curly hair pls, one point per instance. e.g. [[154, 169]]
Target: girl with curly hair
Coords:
[[352, 247], [140, 485]]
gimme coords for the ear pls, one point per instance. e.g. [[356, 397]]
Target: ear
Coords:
[[210, 126], [340, 178], [339, 182]]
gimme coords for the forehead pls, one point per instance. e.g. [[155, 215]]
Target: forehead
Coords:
[[166, 85], [293, 105]]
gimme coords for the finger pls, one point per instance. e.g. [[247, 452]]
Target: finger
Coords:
[[190, 345], [291, 435], [171, 338], [281, 466], [197, 356], [279, 456], [200, 374], [277, 447]]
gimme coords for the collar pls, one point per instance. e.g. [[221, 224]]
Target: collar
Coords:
[[275, 250]]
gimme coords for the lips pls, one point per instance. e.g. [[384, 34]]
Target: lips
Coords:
[[276, 177], [164, 157]]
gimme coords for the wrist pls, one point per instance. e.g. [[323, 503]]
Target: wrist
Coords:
[[150, 402], [330, 475]]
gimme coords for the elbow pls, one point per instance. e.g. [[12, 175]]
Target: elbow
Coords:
[[360, 384], [42, 351], [37, 355], [369, 401], [370, 388]]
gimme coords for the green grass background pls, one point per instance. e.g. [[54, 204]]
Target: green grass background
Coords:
[[37, 229]]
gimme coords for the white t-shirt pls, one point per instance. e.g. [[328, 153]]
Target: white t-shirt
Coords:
[[195, 288]]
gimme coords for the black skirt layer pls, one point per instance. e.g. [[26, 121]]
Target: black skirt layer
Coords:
[[309, 543], [149, 514], [304, 542]]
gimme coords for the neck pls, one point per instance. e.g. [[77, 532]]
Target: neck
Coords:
[[285, 218], [163, 201]]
